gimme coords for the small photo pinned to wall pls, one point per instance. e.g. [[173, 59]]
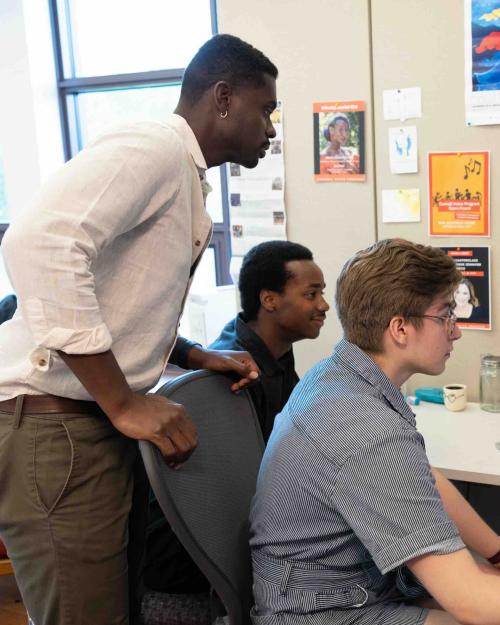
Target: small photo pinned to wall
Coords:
[[276, 114], [473, 294], [235, 199], [234, 169], [275, 146], [277, 184], [278, 218], [339, 141], [237, 231]]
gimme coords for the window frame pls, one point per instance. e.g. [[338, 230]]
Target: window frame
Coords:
[[3, 228], [68, 90]]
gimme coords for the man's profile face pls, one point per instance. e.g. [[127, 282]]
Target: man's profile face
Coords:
[[301, 308], [248, 127], [339, 132], [432, 342]]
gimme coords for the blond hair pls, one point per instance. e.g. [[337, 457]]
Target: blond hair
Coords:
[[392, 277]]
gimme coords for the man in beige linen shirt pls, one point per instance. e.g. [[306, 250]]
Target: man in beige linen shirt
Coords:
[[101, 264]]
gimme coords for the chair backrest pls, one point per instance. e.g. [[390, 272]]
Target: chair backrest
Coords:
[[207, 501]]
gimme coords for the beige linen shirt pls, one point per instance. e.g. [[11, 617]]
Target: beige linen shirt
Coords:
[[103, 259]]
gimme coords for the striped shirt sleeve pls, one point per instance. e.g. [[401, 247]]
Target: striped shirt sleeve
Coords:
[[386, 492]]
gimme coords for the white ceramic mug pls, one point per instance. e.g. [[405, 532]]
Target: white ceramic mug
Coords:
[[455, 397]]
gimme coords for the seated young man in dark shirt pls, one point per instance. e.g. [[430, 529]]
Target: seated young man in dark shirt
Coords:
[[281, 290], [350, 523]]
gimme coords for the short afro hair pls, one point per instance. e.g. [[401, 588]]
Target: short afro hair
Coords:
[[228, 58], [264, 267]]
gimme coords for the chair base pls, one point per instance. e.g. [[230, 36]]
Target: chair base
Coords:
[[160, 608]]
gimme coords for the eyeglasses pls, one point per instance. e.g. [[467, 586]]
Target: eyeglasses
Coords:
[[450, 320]]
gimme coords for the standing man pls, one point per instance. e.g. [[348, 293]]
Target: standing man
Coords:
[[347, 524], [101, 264]]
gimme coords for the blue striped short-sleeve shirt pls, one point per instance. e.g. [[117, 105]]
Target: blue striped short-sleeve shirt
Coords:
[[345, 494]]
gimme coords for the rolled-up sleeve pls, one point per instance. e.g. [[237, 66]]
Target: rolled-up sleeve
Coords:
[[50, 254], [387, 494]]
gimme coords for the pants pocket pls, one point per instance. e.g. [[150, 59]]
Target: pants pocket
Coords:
[[52, 462]]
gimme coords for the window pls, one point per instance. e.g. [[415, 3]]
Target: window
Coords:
[[3, 206], [120, 59]]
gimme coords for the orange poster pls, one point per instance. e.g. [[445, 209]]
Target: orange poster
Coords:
[[339, 141], [459, 194]]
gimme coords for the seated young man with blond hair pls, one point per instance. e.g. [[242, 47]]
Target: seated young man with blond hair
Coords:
[[347, 524]]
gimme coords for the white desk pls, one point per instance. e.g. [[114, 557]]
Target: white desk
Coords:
[[461, 444]]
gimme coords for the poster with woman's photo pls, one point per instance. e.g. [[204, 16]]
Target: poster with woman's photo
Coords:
[[473, 294], [339, 141]]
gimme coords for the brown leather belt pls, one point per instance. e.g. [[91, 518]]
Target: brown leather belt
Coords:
[[51, 404]]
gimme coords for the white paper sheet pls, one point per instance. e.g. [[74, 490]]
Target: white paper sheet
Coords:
[[400, 205], [402, 104], [403, 150]]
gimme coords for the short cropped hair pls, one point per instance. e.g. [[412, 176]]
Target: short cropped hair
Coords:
[[228, 58], [393, 277], [264, 267]]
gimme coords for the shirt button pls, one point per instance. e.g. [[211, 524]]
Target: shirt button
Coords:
[[197, 243]]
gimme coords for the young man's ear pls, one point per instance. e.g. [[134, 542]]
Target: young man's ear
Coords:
[[268, 300], [398, 330]]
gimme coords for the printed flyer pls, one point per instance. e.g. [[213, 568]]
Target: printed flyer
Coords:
[[339, 141], [459, 194], [473, 294], [482, 62], [257, 196]]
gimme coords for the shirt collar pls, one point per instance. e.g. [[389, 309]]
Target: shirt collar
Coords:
[[354, 358], [182, 128], [259, 350]]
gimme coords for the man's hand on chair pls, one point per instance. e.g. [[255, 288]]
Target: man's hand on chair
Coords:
[[240, 363], [162, 422]]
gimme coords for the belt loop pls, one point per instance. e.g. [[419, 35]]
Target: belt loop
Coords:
[[286, 575], [18, 412]]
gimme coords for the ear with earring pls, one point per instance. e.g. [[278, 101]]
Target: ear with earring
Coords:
[[223, 115]]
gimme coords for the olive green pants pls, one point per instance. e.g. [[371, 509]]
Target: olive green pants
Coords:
[[66, 491]]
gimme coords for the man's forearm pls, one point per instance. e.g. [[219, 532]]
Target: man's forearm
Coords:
[[101, 375], [142, 417], [475, 533]]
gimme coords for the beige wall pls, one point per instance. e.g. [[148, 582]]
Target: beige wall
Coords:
[[324, 50], [414, 46], [333, 219]]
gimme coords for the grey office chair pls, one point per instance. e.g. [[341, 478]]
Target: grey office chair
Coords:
[[207, 501]]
